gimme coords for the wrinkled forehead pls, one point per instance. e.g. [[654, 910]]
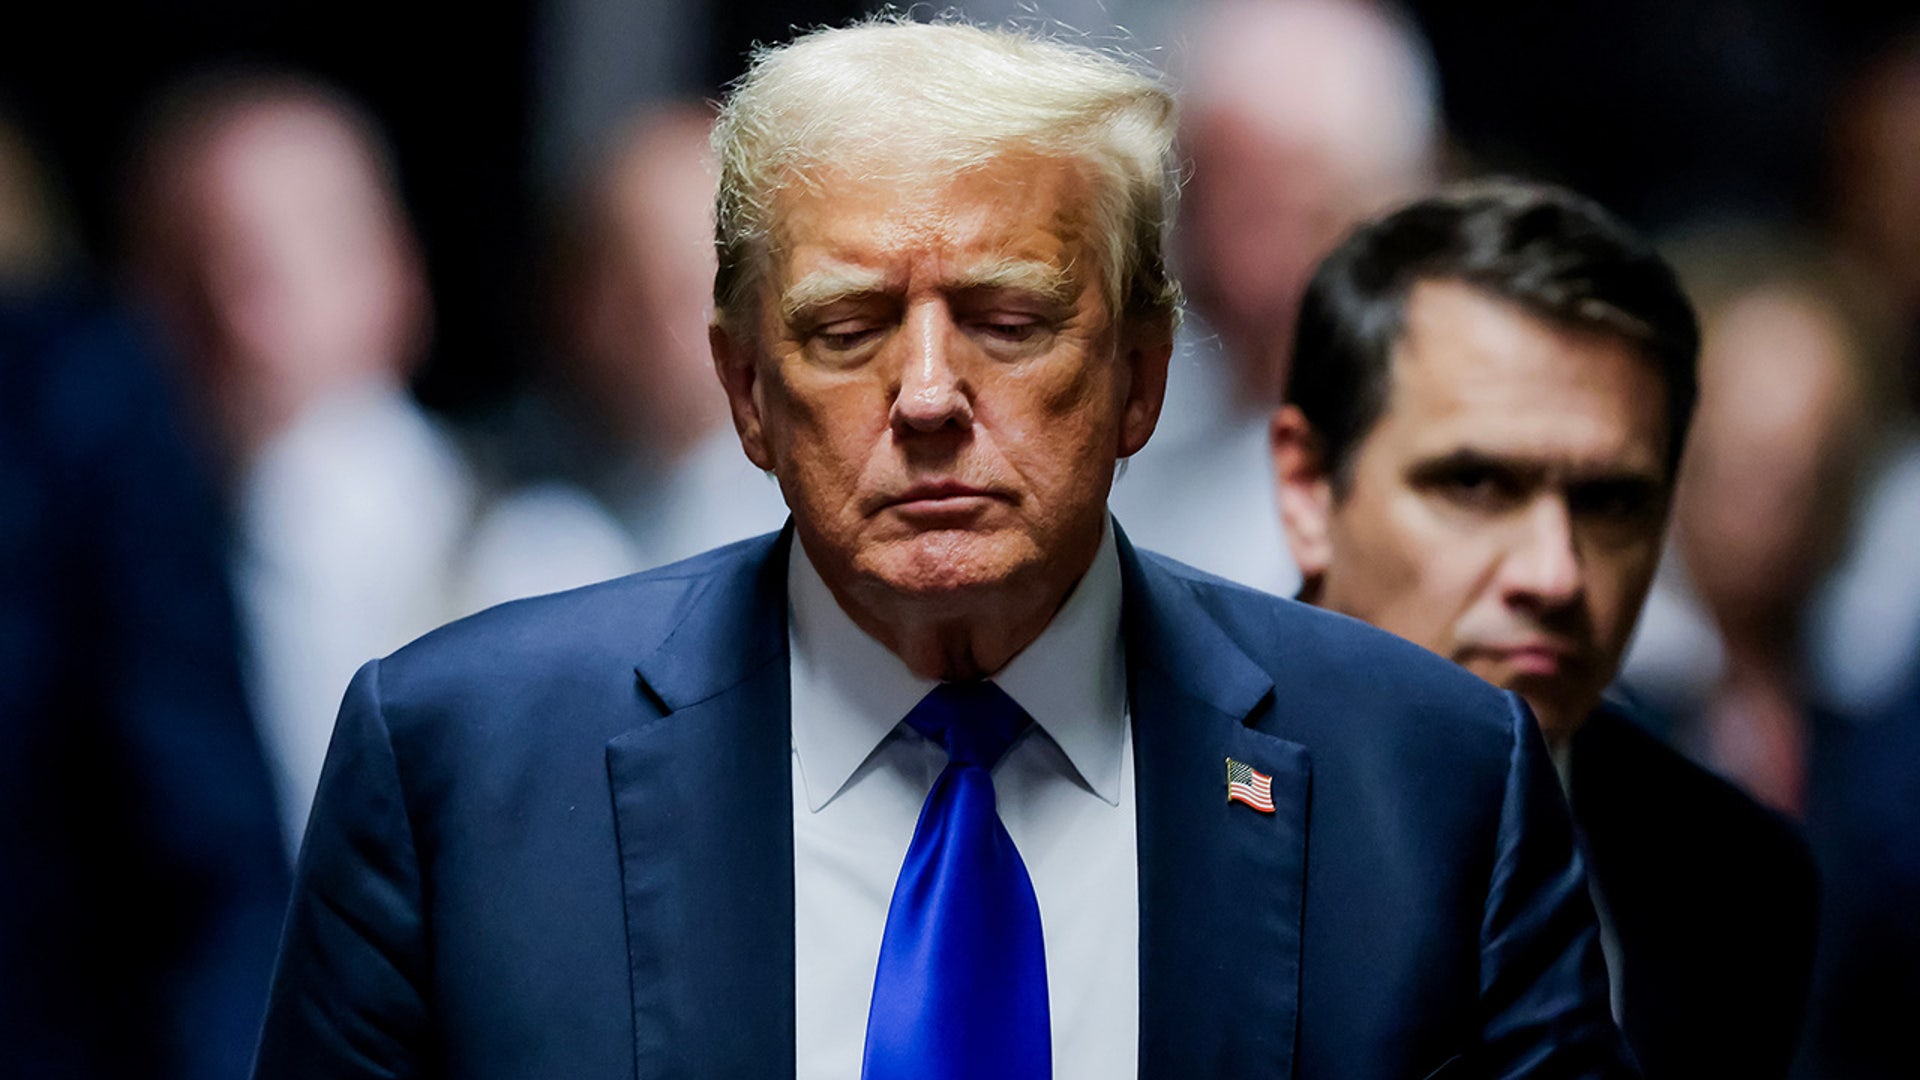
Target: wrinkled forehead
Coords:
[[1012, 212], [931, 178]]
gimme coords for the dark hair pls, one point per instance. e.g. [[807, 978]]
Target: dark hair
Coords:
[[1556, 254]]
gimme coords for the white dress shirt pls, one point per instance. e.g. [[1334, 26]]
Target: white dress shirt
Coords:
[[1064, 791]]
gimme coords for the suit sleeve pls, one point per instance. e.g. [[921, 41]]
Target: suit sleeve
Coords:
[[349, 991], [1543, 984]]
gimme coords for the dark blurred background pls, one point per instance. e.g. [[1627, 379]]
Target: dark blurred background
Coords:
[[1661, 110], [483, 108]]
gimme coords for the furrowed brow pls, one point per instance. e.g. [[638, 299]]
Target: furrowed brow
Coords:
[[1466, 459], [1534, 470], [826, 288], [1051, 283]]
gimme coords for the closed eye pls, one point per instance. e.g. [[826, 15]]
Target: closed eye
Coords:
[[1009, 327], [1008, 323], [845, 336]]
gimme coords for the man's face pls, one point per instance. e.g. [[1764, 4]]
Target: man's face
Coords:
[[1506, 510], [305, 260], [940, 387]]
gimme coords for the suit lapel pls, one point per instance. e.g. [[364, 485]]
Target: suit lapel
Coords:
[[1221, 884], [703, 808], [704, 818]]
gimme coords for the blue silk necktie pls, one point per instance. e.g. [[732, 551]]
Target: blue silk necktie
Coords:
[[961, 990]]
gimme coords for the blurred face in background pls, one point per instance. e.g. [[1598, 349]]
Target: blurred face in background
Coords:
[[1300, 118], [639, 295], [1261, 211], [1877, 174], [1764, 500], [1505, 511], [295, 273]]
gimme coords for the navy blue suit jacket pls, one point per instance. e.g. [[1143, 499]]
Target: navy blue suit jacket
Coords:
[[1863, 818], [555, 840], [142, 871]]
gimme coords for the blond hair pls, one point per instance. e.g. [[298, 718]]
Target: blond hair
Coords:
[[891, 99]]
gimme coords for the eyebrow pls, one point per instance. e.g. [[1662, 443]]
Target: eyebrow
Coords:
[[1529, 469], [824, 288], [1054, 284]]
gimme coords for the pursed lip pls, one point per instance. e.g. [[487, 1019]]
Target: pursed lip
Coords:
[[939, 491], [940, 497], [1538, 658]]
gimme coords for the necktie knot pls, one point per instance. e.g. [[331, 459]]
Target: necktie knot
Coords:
[[976, 721]]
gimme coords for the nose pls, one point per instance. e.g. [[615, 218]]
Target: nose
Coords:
[[932, 395], [1542, 570]]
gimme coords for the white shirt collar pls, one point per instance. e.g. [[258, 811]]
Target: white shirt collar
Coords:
[[849, 692]]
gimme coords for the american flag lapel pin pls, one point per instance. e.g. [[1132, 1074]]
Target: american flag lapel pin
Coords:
[[1246, 784]]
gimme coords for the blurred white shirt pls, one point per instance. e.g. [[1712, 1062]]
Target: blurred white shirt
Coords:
[[1202, 490], [349, 525]]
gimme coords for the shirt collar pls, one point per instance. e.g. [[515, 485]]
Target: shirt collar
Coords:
[[849, 692]]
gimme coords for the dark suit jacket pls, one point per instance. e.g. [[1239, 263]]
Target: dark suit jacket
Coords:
[[1863, 820], [142, 872], [555, 840], [1712, 898]]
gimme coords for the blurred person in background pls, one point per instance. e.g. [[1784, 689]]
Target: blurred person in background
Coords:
[[265, 228], [1876, 179], [630, 411], [142, 878], [1790, 371], [1490, 392], [1763, 509], [1865, 628], [1299, 118], [1862, 782]]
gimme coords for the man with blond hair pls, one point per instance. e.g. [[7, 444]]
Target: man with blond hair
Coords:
[[945, 779]]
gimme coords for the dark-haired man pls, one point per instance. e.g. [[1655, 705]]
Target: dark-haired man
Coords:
[[1490, 394]]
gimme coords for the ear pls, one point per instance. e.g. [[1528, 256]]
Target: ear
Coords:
[[737, 362], [1146, 346], [1305, 494]]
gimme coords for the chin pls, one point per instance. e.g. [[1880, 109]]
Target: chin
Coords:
[[948, 564], [1553, 701]]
